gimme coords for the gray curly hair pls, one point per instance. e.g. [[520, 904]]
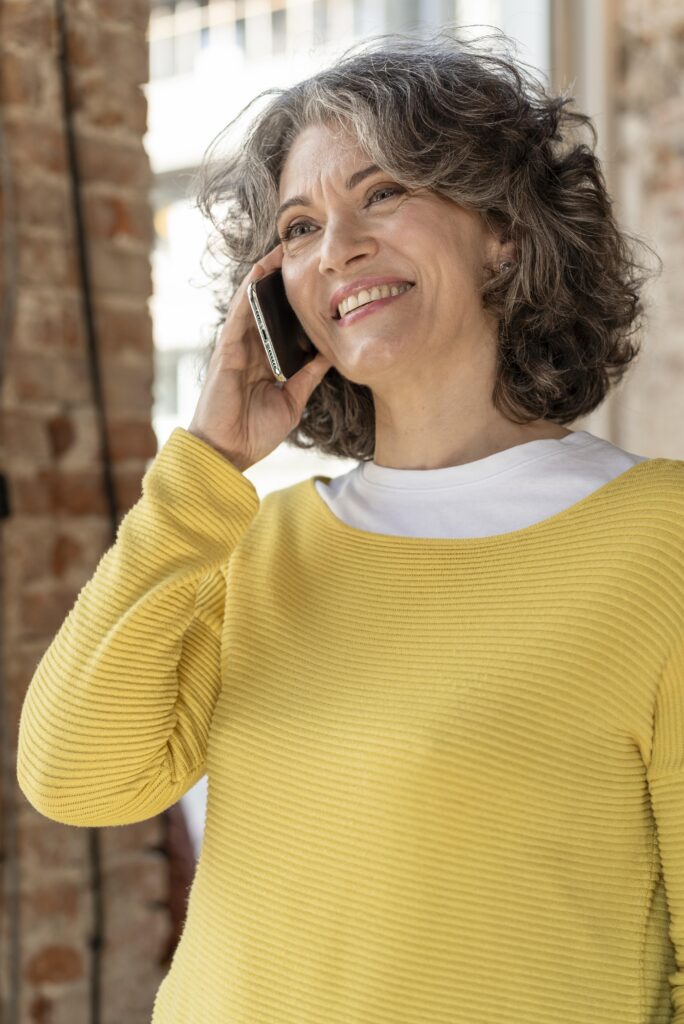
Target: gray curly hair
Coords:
[[451, 114]]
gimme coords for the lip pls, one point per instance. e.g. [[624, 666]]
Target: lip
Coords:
[[356, 286], [369, 308]]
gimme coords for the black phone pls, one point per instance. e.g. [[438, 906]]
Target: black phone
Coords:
[[285, 342]]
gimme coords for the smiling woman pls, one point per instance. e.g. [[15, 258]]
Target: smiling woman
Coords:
[[443, 162], [427, 352]]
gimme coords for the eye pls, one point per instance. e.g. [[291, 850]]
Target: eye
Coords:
[[288, 232], [386, 188]]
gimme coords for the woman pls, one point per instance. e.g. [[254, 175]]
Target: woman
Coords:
[[440, 698]]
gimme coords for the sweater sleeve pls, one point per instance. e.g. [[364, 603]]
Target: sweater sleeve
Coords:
[[114, 725], [665, 773]]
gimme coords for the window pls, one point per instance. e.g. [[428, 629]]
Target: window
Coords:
[[279, 29], [240, 33], [320, 18]]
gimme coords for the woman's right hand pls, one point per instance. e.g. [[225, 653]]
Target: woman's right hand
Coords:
[[243, 411]]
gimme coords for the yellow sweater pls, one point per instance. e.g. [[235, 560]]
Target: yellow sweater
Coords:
[[445, 776]]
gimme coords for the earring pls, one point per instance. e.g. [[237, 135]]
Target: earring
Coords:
[[504, 265]]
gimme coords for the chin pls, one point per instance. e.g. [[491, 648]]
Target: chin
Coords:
[[366, 371]]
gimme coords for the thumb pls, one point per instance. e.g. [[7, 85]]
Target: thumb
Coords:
[[301, 384]]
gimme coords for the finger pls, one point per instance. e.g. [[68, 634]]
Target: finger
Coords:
[[271, 259], [300, 386], [275, 256], [240, 301]]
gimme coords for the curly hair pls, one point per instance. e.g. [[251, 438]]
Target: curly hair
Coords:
[[446, 113]]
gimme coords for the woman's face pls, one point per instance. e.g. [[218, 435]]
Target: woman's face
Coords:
[[378, 228]]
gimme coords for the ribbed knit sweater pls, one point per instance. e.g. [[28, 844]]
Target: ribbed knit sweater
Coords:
[[445, 775]]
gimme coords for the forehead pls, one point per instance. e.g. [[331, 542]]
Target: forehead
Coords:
[[318, 151]]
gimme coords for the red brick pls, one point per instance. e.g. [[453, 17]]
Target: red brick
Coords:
[[74, 493], [100, 104], [41, 377], [43, 202], [41, 611], [106, 104], [23, 434], [48, 490], [54, 964], [32, 495], [53, 324], [129, 971], [83, 42], [128, 488], [113, 216], [68, 1004], [132, 441], [41, 1010], [28, 547], [105, 160], [44, 257], [61, 901], [125, 12], [38, 551], [127, 52], [36, 144], [61, 433], [119, 843], [146, 875], [124, 329], [66, 552], [116, 271], [127, 388], [133, 926], [21, 662], [32, 25], [23, 79], [49, 846]]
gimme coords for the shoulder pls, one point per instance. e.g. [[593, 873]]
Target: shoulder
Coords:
[[664, 478], [657, 502], [280, 519]]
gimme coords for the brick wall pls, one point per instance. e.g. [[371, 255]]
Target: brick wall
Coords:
[[649, 171], [60, 522]]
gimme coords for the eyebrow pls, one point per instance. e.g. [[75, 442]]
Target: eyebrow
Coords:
[[355, 179]]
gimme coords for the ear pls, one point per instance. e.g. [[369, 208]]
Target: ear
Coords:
[[497, 253], [506, 252], [499, 248]]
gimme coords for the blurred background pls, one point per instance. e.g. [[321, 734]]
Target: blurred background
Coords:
[[106, 109]]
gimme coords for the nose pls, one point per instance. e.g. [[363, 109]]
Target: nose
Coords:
[[343, 243]]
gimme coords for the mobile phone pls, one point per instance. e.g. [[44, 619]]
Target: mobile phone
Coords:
[[285, 342]]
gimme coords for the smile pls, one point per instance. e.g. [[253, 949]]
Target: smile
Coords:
[[370, 307]]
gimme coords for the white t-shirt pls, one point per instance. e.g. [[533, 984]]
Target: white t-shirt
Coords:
[[505, 491]]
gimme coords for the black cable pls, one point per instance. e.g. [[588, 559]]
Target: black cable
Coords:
[[97, 935]]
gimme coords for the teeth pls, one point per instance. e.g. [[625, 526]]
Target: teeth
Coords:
[[370, 295]]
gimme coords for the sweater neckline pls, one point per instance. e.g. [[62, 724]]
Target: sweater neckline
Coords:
[[596, 497], [477, 470]]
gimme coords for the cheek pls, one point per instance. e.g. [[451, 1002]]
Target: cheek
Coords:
[[297, 299], [300, 289], [294, 293], [294, 280]]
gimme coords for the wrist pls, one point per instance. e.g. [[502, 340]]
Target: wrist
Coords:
[[235, 460]]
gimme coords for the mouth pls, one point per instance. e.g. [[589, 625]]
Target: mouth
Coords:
[[370, 307]]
